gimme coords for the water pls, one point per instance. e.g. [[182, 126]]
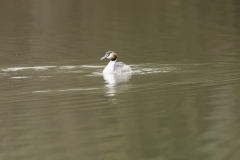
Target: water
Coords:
[[181, 102]]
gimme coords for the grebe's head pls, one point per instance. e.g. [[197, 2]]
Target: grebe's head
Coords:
[[110, 55]]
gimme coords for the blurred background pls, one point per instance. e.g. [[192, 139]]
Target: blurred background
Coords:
[[180, 103]]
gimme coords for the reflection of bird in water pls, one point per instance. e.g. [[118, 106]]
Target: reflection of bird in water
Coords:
[[114, 66], [113, 79]]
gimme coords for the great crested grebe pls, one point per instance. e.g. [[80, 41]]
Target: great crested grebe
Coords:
[[113, 66]]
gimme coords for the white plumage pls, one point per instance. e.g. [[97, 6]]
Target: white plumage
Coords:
[[113, 66]]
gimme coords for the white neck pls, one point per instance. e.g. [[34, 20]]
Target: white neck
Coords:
[[110, 67]]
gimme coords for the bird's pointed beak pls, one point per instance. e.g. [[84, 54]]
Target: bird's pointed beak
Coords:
[[104, 57]]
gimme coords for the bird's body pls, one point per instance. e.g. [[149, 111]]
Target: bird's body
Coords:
[[114, 66]]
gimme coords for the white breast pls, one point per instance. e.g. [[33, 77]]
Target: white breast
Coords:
[[110, 67]]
